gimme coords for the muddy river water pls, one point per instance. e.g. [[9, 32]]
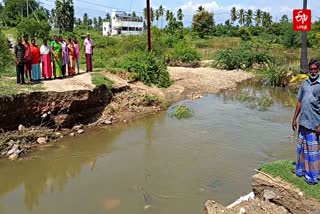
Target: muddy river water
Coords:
[[155, 165]]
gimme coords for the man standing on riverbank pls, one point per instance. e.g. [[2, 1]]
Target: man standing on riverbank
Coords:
[[308, 148], [88, 48], [19, 52]]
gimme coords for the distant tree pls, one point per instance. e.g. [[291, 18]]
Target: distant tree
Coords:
[[258, 17], [202, 22], [249, 16], [95, 23], [85, 20], [266, 19], [90, 22], [157, 16], [161, 14], [152, 14], [100, 23], [233, 15], [180, 14], [108, 18], [168, 15], [15, 10], [33, 28], [284, 19], [227, 23], [145, 13], [241, 16], [200, 8], [64, 11]]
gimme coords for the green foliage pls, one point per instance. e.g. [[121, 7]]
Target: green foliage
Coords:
[[8, 86], [245, 34], [262, 103], [182, 111], [278, 75], [99, 79], [150, 99], [64, 18], [203, 23], [6, 57], [201, 43], [34, 29], [283, 169], [147, 68], [244, 56], [183, 52]]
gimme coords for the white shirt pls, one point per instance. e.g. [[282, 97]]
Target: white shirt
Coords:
[[44, 49]]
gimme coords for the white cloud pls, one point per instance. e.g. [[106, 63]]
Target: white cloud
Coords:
[[191, 6]]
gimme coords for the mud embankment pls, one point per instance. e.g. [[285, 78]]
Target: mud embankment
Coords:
[[53, 109], [271, 195]]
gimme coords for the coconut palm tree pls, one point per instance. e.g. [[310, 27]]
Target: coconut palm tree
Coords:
[[266, 19], [180, 15], [161, 13], [233, 15], [64, 15], [258, 17], [249, 15], [157, 16], [200, 8], [168, 15], [304, 47], [241, 16]]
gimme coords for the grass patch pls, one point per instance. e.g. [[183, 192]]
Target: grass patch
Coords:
[[283, 169], [8, 86], [153, 100], [262, 103], [182, 111], [99, 79]]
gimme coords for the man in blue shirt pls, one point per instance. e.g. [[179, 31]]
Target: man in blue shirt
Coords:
[[308, 106]]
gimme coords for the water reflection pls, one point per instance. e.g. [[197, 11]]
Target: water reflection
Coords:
[[50, 171]]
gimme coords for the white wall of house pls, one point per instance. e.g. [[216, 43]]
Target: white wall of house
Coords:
[[121, 24]]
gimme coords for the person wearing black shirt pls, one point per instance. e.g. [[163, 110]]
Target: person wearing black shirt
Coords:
[[19, 52]]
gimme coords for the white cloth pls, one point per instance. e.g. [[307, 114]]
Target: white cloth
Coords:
[[44, 49], [88, 44]]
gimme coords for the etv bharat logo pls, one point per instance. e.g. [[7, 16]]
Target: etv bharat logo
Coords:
[[301, 20]]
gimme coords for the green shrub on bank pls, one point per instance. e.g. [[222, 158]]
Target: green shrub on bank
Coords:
[[144, 66], [244, 56], [182, 52], [278, 75]]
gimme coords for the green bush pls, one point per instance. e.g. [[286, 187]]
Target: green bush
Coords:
[[244, 56], [182, 52], [278, 75], [145, 67], [33, 28], [182, 111], [6, 57]]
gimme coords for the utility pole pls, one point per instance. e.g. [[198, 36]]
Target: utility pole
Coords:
[[304, 46], [149, 25], [27, 9]]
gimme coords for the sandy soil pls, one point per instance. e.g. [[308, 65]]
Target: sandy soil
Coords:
[[78, 82], [187, 81]]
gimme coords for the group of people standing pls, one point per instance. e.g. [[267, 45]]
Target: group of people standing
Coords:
[[57, 59]]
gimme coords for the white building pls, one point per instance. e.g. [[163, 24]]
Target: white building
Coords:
[[121, 24]]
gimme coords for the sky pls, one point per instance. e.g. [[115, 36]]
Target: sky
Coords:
[[221, 8]]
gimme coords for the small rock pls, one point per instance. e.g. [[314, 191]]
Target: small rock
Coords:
[[242, 211], [58, 134], [21, 127], [300, 193], [125, 121], [268, 194], [42, 140], [80, 131], [13, 150], [14, 156], [72, 134], [44, 115], [77, 128], [107, 122]]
